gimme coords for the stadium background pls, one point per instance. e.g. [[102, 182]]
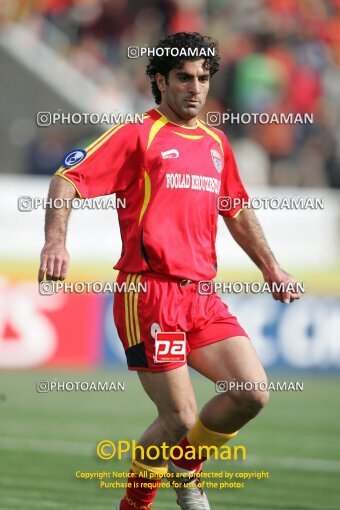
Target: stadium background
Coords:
[[70, 56]]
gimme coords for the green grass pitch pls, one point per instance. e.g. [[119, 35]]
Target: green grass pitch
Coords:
[[45, 438]]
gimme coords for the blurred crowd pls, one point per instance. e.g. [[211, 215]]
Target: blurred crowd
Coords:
[[276, 56]]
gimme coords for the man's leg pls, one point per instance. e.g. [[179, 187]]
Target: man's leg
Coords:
[[173, 395], [233, 359]]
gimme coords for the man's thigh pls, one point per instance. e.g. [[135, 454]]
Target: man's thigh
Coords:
[[233, 359], [171, 391]]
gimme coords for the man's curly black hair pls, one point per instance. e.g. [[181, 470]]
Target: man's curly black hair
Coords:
[[165, 63]]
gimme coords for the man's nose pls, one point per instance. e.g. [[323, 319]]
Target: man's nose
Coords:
[[194, 86]]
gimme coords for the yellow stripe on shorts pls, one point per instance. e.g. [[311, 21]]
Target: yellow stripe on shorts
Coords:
[[131, 310], [139, 277]]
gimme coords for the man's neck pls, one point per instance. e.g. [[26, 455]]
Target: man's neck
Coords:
[[173, 117]]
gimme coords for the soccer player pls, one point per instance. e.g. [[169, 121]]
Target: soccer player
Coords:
[[170, 170]]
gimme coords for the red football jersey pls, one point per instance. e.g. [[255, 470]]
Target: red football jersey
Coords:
[[170, 177]]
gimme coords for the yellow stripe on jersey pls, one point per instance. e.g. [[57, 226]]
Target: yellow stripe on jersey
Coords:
[[97, 144], [97, 140], [147, 194], [93, 147], [191, 137], [126, 303], [156, 126], [211, 133], [236, 214], [69, 180], [174, 123]]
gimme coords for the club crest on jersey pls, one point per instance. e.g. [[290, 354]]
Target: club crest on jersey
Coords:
[[217, 160], [74, 157], [171, 154]]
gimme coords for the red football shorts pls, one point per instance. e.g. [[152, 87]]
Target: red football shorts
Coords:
[[168, 305]]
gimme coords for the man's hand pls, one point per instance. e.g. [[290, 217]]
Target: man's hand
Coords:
[[54, 261], [278, 276], [54, 258]]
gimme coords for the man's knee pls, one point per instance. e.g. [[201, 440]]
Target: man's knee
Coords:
[[179, 422], [251, 402]]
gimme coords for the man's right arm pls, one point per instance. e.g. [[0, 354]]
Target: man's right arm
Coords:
[[54, 258], [109, 166]]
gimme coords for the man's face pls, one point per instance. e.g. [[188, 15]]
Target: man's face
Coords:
[[186, 90]]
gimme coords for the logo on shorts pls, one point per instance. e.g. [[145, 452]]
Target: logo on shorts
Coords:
[[155, 328], [74, 157], [217, 160], [171, 154], [170, 346]]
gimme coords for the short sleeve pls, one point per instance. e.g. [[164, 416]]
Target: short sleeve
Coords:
[[231, 185], [107, 166]]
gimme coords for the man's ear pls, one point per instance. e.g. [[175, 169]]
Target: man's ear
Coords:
[[161, 82]]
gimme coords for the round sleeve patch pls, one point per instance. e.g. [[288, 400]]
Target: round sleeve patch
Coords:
[[74, 157]]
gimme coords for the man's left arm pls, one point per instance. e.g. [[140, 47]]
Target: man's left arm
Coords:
[[247, 232]]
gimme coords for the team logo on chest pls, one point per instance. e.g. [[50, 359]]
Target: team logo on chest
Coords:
[[217, 160], [171, 154]]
